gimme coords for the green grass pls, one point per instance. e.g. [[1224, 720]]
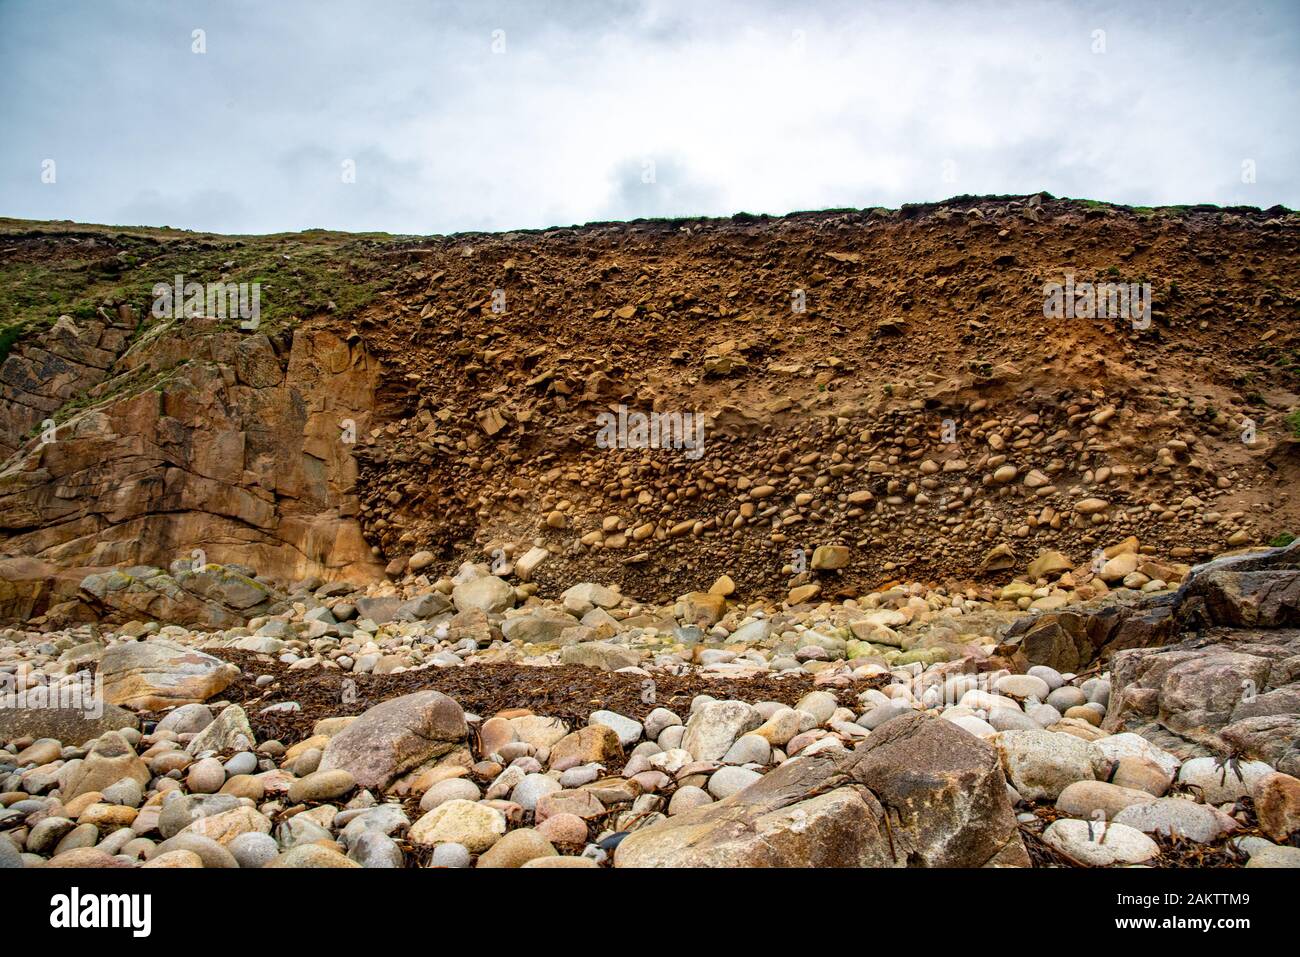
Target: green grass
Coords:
[[49, 270], [1293, 420]]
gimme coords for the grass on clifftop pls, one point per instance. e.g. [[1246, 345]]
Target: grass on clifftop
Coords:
[[49, 270]]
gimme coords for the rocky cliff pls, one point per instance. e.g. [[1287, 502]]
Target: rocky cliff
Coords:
[[881, 395]]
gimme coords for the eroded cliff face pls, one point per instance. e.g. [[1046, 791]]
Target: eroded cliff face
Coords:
[[880, 396], [196, 442]]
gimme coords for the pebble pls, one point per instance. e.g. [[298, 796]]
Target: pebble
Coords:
[[1100, 845], [1176, 816], [726, 781]]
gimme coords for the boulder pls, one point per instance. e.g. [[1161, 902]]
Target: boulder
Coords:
[[1100, 844], [1187, 695], [919, 792], [715, 726], [473, 825], [488, 593], [230, 731], [110, 760], [72, 726], [155, 674], [395, 736], [1042, 764]]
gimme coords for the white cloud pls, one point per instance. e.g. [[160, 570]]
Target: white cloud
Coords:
[[756, 106]]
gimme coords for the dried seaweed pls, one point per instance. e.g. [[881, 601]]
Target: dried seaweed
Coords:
[[569, 692]]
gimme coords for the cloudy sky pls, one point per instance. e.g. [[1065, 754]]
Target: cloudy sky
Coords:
[[498, 115]]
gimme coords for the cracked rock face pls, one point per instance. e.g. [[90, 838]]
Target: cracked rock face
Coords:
[[1233, 683], [236, 453]]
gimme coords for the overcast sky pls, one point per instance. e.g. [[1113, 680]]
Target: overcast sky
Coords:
[[485, 115]]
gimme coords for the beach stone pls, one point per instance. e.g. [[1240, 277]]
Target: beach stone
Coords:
[[629, 731], [212, 854], [1042, 764], [107, 817], [532, 789], [749, 749], [779, 728], [1065, 698], [973, 725], [715, 726], [517, 848], [1220, 782], [243, 763], [110, 759], [688, 798], [181, 811], [1044, 715], [538, 731], [488, 594], [450, 855], [599, 654], [452, 789], [387, 819], [156, 674], [596, 743], [1100, 845], [83, 835], [881, 714], [1277, 804], [205, 776], [1085, 798], [393, 737], [300, 829], [46, 834], [475, 826], [312, 856], [659, 720], [39, 752], [10, 857], [228, 825], [1048, 674], [253, 849], [563, 829], [187, 719], [1011, 719], [494, 734], [1023, 686], [1275, 857], [564, 862], [727, 781], [244, 785], [580, 803], [374, 849], [1175, 816], [229, 731], [322, 786], [1113, 748], [1142, 774], [177, 859], [820, 704], [87, 857]]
